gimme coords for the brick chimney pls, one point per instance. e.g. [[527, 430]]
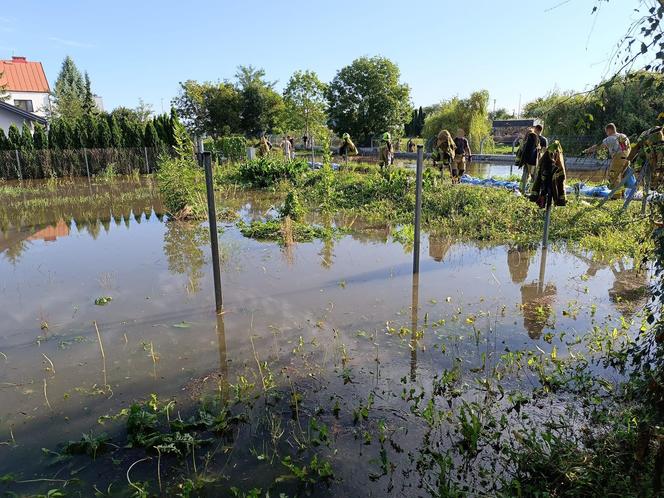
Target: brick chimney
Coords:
[[18, 60]]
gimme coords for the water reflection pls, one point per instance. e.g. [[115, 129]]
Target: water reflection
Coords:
[[183, 247], [415, 304], [518, 263], [537, 298], [438, 247], [630, 288]]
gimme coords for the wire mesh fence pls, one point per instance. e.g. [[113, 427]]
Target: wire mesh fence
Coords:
[[47, 163]]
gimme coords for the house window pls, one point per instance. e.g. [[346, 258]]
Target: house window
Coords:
[[26, 105]]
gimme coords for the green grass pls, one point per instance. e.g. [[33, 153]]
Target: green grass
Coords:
[[463, 212]]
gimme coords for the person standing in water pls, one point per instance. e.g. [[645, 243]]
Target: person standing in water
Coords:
[[619, 148], [444, 153], [462, 154], [385, 154]]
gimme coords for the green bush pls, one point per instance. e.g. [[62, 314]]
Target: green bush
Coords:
[[292, 207], [182, 187], [232, 148], [267, 171]]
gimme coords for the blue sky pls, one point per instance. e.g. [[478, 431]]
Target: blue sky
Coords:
[[142, 49]]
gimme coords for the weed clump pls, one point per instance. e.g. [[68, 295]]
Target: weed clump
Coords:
[[268, 172]]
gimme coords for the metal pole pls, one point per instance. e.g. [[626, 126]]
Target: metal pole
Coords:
[[87, 168], [418, 208], [147, 164], [413, 334], [542, 270], [18, 162], [214, 241], [547, 220]]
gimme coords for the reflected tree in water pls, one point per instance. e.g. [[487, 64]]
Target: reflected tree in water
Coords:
[[184, 248], [14, 252]]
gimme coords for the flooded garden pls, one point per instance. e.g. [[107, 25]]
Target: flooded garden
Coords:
[[333, 370]]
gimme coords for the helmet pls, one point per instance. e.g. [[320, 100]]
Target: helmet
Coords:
[[386, 136], [345, 136]]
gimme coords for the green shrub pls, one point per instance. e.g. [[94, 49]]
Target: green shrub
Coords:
[[267, 171], [182, 187], [292, 207], [232, 148]]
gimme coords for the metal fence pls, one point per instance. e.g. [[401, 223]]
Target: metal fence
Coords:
[[25, 164]]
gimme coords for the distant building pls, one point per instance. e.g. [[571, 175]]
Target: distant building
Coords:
[[26, 84], [506, 131], [10, 114], [99, 102]]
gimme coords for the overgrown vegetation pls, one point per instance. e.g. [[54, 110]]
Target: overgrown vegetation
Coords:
[[461, 212], [181, 181]]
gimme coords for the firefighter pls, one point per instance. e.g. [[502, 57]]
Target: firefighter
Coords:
[[527, 157], [264, 147], [347, 147], [619, 149], [410, 146], [444, 153], [462, 154], [385, 154], [651, 143]]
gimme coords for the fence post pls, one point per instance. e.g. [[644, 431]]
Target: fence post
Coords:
[[418, 208], [212, 216], [87, 166], [18, 162], [147, 164]]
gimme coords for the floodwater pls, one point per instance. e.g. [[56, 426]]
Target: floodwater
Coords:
[[312, 310]]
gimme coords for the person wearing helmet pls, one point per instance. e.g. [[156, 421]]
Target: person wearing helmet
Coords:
[[347, 147], [385, 154], [444, 152]]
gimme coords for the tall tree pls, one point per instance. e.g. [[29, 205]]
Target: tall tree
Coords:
[[4, 141], [367, 98], [14, 135], [305, 102], [471, 114], [39, 137], [89, 104], [143, 111], [150, 137], [209, 108], [69, 91], [27, 142], [103, 136], [262, 107]]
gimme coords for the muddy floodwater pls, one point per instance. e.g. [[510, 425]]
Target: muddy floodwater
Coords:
[[337, 316]]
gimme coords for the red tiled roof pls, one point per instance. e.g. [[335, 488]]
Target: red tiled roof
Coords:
[[20, 75]]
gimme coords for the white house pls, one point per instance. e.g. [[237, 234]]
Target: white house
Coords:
[[26, 84], [10, 114]]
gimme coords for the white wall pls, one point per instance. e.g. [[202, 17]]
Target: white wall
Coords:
[[40, 101], [7, 118]]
